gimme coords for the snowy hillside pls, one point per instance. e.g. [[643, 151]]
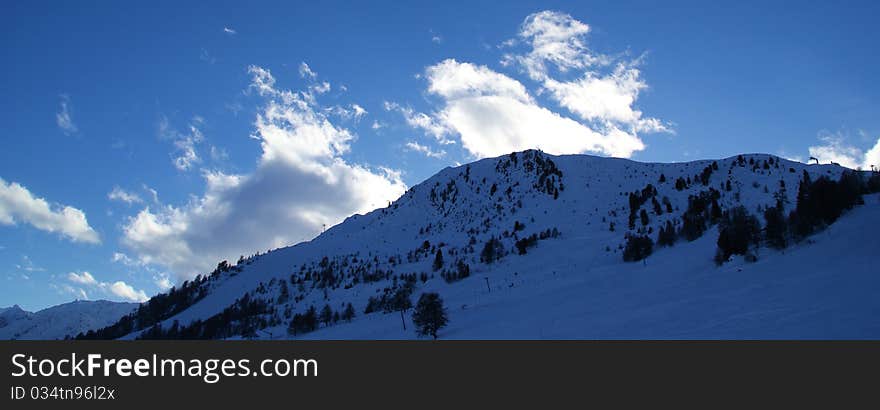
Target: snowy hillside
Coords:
[[60, 321], [532, 246]]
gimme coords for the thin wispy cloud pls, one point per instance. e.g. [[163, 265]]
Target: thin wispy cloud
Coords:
[[64, 117], [205, 56], [121, 195], [230, 31], [425, 150], [185, 156]]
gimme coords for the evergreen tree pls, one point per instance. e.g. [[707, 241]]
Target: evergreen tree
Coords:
[[285, 293], [637, 248], [643, 216], [776, 230], [438, 260], [429, 315], [492, 250], [738, 230], [666, 236], [348, 313], [401, 303], [326, 315], [310, 319]]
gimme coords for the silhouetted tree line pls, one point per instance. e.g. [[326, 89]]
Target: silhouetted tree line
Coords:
[[159, 307], [821, 202], [390, 295], [244, 317]]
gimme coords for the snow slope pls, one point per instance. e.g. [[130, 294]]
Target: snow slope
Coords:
[[826, 289], [59, 321], [574, 284]]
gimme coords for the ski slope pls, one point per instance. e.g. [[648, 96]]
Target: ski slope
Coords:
[[827, 289], [575, 285]]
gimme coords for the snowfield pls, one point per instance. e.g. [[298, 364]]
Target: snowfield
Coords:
[[572, 282], [827, 289]]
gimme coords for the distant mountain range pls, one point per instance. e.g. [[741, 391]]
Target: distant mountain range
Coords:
[[60, 321]]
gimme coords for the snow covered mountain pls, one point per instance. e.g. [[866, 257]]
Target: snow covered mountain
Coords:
[[534, 246], [60, 321]]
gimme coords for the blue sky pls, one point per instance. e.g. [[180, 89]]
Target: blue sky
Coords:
[[143, 144]]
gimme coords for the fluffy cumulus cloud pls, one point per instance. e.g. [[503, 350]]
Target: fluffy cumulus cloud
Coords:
[[300, 183], [119, 289], [835, 148], [18, 204], [493, 113]]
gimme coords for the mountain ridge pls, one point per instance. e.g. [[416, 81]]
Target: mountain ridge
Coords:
[[60, 321], [515, 203]]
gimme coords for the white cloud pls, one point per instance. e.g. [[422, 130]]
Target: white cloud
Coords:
[[602, 96], [163, 282], [17, 204], [352, 112], [836, 149], [154, 195], [119, 289], [555, 38], [429, 124], [28, 265], [119, 194], [607, 100], [207, 57], [493, 113], [305, 71], [218, 154], [229, 31], [64, 118], [453, 80], [427, 151], [126, 291], [63, 288], [872, 156], [119, 257], [185, 155], [83, 278], [359, 111], [301, 182]]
